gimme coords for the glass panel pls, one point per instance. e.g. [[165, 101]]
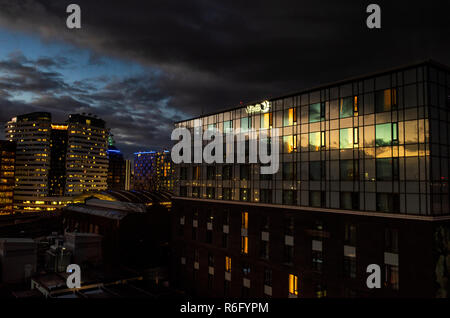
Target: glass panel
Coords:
[[383, 134], [289, 143], [387, 169], [346, 107], [384, 100], [314, 141], [289, 117], [228, 126], [266, 120], [314, 113], [411, 130], [246, 123], [289, 171], [315, 198], [315, 171], [349, 170], [346, 138]]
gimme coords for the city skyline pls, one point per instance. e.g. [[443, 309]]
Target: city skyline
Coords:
[[142, 75]]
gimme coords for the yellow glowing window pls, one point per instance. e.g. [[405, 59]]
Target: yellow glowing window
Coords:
[[266, 120], [244, 220], [293, 284], [355, 105], [227, 263], [244, 244], [289, 143], [290, 117]]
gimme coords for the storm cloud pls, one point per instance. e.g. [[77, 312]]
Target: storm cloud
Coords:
[[211, 54]]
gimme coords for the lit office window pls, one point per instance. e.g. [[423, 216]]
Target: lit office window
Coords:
[[227, 126], [266, 120], [355, 105], [195, 192], [385, 100], [289, 143], [293, 284], [244, 194], [244, 244], [210, 192], [346, 138], [290, 117], [314, 141], [322, 139], [316, 112], [244, 220], [321, 291], [228, 264]]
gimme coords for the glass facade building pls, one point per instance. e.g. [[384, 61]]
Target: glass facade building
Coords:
[[378, 143], [362, 179]]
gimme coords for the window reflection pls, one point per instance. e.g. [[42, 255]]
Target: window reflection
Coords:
[[314, 141], [266, 120], [385, 100], [246, 123], [346, 138], [387, 169], [346, 107], [228, 126], [289, 143], [290, 117], [316, 112]]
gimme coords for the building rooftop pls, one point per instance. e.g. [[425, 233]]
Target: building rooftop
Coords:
[[132, 196]]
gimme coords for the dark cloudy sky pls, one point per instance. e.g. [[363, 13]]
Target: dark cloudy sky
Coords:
[[141, 65]]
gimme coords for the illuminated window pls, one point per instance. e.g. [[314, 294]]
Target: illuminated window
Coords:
[[289, 143], [228, 264], [266, 120], [290, 117], [244, 244], [346, 138], [293, 284], [244, 219]]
